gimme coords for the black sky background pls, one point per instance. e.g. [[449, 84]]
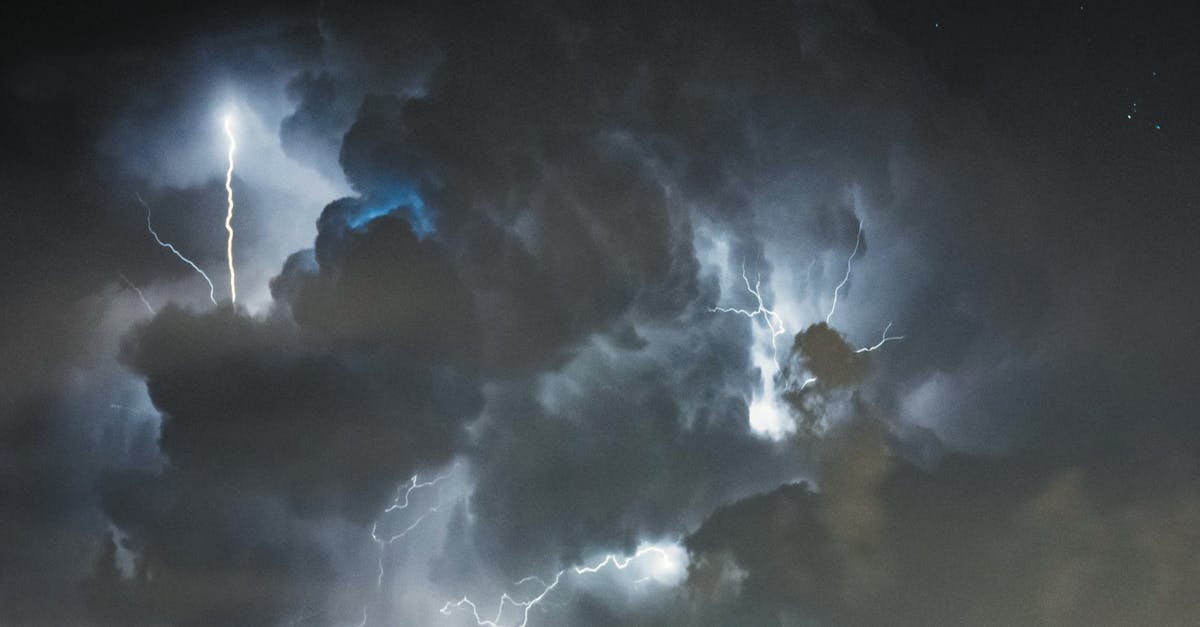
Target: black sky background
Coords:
[[1028, 454]]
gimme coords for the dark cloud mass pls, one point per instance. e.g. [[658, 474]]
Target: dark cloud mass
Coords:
[[570, 314], [972, 542]]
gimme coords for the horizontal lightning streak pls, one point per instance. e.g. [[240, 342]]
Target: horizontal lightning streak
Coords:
[[525, 606], [883, 340]]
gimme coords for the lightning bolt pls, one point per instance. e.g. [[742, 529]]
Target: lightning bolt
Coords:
[[885, 337], [401, 502], [612, 560], [883, 340], [137, 289], [149, 227], [846, 278], [772, 319], [229, 211]]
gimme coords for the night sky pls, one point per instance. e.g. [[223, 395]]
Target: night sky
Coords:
[[732, 314]]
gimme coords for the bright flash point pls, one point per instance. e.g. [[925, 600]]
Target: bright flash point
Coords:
[[666, 564]]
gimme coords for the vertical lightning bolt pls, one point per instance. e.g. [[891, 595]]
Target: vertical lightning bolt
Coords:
[[149, 227], [615, 561], [846, 278], [229, 211], [139, 292], [773, 321]]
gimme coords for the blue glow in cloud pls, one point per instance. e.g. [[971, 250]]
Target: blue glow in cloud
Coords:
[[420, 216]]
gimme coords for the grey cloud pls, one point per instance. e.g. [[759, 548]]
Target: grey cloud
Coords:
[[313, 132], [970, 542], [618, 464]]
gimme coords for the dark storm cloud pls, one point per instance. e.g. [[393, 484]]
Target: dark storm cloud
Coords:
[[271, 422], [71, 414], [247, 403], [56, 436], [823, 352], [522, 283], [822, 373], [556, 235], [969, 543], [43, 528], [559, 174], [620, 458], [209, 551], [380, 286]]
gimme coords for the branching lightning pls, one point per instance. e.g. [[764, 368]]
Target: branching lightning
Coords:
[[885, 337], [401, 502], [524, 607], [149, 227], [229, 211], [845, 279], [772, 319], [775, 323], [137, 289], [883, 340]]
